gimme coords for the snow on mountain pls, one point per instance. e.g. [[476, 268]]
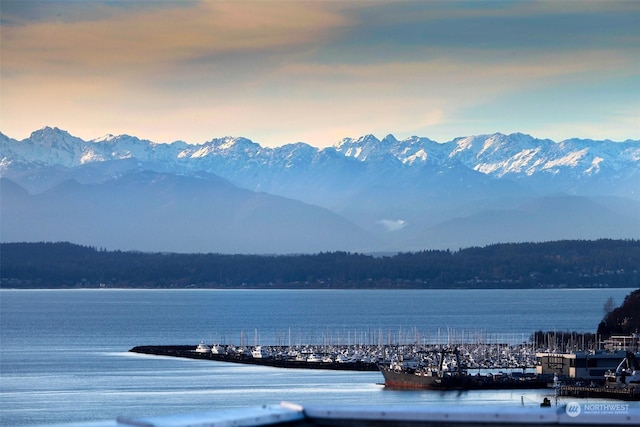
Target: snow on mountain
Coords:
[[419, 151], [293, 155], [520, 155], [393, 189], [496, 154], [228, 147], [44, 147], [500, 154], [364, 147], [605, 152], [9, 149], [302, 171], [413, 150]]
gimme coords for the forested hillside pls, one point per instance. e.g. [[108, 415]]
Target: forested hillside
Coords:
[[601, 263], [623, 320]]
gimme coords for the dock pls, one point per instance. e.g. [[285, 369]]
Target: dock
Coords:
[[600, 392]]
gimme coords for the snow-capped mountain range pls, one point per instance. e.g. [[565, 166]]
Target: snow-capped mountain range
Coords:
[[496, 155], [394, 195]]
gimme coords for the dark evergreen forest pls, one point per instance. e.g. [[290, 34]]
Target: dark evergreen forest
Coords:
[[600, 263], [623, 320]]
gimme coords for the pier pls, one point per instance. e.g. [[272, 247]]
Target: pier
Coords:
[[600, 392]]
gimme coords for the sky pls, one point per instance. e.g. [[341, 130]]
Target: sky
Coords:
[[280, 72]]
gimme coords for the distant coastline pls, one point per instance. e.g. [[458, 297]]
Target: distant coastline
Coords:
[[562, 264]]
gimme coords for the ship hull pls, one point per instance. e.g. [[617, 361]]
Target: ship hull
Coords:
[[404, 379], [409, 380]]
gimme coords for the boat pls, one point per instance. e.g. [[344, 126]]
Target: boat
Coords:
[[203, 348], [451, 375], [341, 358], [314, 358], [260, 352], [627, 374]]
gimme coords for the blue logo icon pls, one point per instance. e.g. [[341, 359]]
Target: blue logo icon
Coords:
[[573, 409]]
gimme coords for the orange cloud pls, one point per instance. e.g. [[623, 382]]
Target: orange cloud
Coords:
[[153, 38], [281, 72]]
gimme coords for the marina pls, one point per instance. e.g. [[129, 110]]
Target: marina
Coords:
[[401, 366], [88, 372], [357, 357], [612, 374]]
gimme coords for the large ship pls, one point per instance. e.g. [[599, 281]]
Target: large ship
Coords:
[[441, 374]]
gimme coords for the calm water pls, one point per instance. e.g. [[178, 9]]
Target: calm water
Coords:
[[63, 354]]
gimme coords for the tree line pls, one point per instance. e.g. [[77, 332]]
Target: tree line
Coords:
[[574, 263], [622, 320]]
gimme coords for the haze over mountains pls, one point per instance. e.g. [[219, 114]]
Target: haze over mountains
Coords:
[[231, 195]]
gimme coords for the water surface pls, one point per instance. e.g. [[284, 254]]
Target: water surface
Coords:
[[63, 354]]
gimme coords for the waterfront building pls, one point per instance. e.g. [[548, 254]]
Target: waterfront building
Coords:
[[623, 343], [588, 365]]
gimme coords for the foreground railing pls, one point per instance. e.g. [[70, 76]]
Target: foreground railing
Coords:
[[574, 414]]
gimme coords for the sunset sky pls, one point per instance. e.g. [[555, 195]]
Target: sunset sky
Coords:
[[279, 72]]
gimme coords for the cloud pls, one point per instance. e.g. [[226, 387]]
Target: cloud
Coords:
[[393, 225], [149, 38], [281, 72]]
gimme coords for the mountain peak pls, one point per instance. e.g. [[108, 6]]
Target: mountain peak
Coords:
[[229, 142], [390, 139], [48, 132], [106, 138], [380, 185], [51, 138], [496, 154], [363, 148]]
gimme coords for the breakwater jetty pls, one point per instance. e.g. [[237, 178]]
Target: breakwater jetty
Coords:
[[350, 357], [234, 355]]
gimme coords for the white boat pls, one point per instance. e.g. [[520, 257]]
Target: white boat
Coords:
[[314, 358], [203, 348], [242, 351], [341, 358], [260, 352]]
